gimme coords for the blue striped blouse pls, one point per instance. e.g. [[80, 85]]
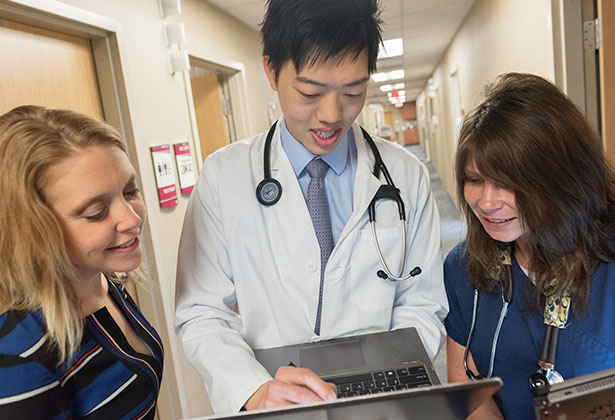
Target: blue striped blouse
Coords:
[[106, 379]]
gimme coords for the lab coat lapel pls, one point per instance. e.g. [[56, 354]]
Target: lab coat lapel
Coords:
[[292, 203], [365, 184]]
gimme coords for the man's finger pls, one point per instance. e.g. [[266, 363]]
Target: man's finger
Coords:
[[282, 393], [307, 378]]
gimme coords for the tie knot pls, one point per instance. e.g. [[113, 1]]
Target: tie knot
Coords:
[[317, 168]]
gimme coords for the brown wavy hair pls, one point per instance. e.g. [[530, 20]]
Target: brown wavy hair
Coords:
[[36, 272], [527, 136]]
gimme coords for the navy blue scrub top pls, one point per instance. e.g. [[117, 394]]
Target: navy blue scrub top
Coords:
[[587, 344]]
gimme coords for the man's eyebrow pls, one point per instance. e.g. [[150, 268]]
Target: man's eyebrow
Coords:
[[315, 83]]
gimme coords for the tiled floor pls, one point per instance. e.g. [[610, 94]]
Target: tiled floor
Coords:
[[453, 231]]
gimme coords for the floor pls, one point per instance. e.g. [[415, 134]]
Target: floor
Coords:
[[453, 231]]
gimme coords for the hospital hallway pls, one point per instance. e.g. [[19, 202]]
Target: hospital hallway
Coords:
[[453, 230]]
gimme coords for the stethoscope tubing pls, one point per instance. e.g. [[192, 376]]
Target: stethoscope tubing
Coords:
[[546, 374], [269, 190], [386, 268], [494, 341]]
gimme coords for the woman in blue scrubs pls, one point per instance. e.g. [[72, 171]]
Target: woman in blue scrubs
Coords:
[[539, 200]]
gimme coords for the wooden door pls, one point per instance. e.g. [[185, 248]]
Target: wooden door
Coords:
[[43, 67], [210, 119], [606, 14]]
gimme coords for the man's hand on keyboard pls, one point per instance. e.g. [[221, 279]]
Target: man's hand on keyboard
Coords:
[[291, 385]]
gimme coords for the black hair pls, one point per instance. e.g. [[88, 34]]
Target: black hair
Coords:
[[312, 31]]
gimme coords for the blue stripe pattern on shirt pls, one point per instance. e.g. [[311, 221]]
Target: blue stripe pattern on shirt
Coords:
[[24, 377], [90, 396], [26, 334], [106, 374]]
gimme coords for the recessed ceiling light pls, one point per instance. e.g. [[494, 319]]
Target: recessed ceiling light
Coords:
[[388, 75], [391, 48], [396, 86]]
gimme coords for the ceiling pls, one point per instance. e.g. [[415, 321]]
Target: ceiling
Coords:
[[426, 27]]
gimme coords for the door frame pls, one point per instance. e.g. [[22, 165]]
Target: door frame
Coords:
[[106, 39], [575, 67], [236, 78]]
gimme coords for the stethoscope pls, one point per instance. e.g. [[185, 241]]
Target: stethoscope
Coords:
[[546, 375], [269, 191]]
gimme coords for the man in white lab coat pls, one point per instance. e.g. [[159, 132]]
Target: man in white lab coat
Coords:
[[267, 261]]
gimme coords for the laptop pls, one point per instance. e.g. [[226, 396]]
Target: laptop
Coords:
[[360, 365], [439, 402], [585, 397]]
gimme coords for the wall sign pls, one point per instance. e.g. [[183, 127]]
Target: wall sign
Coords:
[[165, 175], [185, 168]]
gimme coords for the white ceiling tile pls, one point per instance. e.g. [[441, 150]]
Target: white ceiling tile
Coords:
[[427, 27]]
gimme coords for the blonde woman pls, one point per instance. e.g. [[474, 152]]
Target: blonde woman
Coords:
[[73, 344]]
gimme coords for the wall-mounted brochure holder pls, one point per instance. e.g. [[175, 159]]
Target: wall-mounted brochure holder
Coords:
[[185, 168], [165, 175]]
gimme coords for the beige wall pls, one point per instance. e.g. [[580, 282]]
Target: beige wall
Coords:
[[495, 37], [217, 37], [157, 110]]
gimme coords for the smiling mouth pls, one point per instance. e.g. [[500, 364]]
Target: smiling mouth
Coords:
[[498, 220], [124, 245], [324, 134], [127, 244]]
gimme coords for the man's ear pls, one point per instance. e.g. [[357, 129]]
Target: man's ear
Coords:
[[270, 72]]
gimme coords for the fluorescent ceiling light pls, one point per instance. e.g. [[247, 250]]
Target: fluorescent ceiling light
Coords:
[[396, 86], [388, 75], [391, 48], [397, 74]]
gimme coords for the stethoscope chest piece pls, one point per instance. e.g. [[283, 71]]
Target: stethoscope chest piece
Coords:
[[269, 191], [541, 381]]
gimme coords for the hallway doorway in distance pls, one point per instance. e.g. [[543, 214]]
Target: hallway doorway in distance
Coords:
[[212, 106]]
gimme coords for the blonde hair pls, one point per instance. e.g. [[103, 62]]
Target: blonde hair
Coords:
[[36, 272]]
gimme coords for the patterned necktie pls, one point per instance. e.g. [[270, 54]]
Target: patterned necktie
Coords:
[[318, 207]]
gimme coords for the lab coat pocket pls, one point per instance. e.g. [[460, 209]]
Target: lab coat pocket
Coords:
[[367, 291]]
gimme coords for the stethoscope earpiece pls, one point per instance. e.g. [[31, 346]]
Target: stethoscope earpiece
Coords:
[[269, 191]]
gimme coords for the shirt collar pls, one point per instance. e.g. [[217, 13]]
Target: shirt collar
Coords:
[[299, 156]]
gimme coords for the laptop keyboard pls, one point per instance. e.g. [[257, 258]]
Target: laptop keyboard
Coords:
[[380, 381]]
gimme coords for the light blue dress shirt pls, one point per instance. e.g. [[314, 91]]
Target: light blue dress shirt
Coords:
[[339, 181]]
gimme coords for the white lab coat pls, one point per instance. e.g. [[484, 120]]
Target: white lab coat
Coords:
[[234, 250]]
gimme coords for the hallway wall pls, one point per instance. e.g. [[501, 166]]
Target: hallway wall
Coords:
[[159, 112], [495, 37]]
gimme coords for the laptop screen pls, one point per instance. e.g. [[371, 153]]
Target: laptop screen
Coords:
[[439, 402]]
